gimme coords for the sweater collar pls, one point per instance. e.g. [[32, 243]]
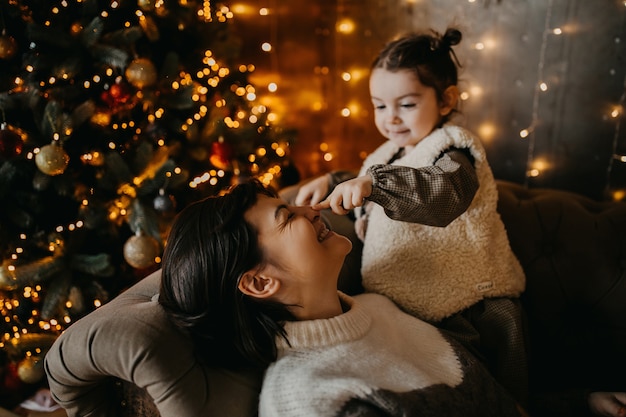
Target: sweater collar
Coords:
[[351, 325]]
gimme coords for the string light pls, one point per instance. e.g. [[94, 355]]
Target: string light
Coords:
[[529, 132], [209, 76], [616, 113], [545, 92]]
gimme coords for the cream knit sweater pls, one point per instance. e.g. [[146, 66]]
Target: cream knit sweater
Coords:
[[376, 360], [434, 272]]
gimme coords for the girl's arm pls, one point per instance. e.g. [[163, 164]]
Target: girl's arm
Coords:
[[433, 195]]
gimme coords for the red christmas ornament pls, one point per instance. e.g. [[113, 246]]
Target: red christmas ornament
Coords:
[[11, 143], [116, 95], [12, 381], [105, 96], [221, 154], [119, 93], [8, 46]]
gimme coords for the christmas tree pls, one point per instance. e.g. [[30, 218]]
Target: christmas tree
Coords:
[[114, 115]]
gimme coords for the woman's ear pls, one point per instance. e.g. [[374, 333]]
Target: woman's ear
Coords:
[[450, 98], [256, 285]]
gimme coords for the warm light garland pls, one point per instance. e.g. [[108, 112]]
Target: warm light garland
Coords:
[[201, 86], [617, 113], [544, 84], [532, 168]]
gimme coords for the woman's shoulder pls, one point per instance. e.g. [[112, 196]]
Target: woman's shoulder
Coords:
[[380, 306]]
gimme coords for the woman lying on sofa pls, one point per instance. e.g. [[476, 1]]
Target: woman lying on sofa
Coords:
[[254, 282]]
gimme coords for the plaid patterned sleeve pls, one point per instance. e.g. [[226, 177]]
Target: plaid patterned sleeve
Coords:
[[433, 195]]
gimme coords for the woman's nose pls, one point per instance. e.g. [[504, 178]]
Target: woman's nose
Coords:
[[307, 212]]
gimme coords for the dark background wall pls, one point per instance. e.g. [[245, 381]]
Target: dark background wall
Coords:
[[509, 49]]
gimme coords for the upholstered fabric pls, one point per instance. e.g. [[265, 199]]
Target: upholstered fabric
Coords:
[[573, 251], [130, 339]]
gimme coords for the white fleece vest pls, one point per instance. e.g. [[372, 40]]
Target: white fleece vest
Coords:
[[434, 272]]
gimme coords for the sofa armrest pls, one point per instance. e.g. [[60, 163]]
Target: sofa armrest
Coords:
[[131, 339]]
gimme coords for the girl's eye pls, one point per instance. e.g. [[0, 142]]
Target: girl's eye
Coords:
[[408, 105]]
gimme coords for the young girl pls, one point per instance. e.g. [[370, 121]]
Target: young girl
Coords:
[[425, 202], [254, 281]]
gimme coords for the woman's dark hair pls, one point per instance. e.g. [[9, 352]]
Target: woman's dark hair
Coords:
[[429, 55], [210, 246]]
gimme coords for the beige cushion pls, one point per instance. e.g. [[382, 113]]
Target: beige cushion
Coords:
[[130, 339]]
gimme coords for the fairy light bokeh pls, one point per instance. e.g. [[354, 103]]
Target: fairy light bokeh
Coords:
[[542, 81]]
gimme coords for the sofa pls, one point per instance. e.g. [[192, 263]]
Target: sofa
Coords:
[[126, 359]]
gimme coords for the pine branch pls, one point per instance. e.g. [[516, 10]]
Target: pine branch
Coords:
[[92, 32], [54, 303], [117, 169], [50, 36], [51, 120], [32, 273], [7, 173], [143, 219], [109, 55], [123, 37], [97, 265], [83, 112]]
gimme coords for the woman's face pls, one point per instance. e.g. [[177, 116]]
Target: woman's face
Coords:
[[298, 249], [405, 110]]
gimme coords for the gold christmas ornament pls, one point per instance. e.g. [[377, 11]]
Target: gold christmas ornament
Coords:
[[146, 5], [52, 159], [141, 73], [141, 250], [153, 6], [30, 370], [8, 47]]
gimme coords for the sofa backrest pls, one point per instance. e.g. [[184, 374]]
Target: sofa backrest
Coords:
[[573, 251]]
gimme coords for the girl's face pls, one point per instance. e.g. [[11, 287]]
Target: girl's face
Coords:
[[299, 250], [405, 110]]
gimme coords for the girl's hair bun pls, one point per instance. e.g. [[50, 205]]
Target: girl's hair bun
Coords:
[[451, 37]]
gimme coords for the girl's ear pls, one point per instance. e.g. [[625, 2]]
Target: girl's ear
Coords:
[[450, 98], [255, 285]]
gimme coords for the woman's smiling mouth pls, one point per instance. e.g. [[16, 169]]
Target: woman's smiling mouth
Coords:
[[323, 232]]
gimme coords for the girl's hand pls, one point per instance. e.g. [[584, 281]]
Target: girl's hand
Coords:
[[312, 192], [347, 195], [611, 404]]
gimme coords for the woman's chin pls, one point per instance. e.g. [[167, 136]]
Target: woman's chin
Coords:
[[346, 243]]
